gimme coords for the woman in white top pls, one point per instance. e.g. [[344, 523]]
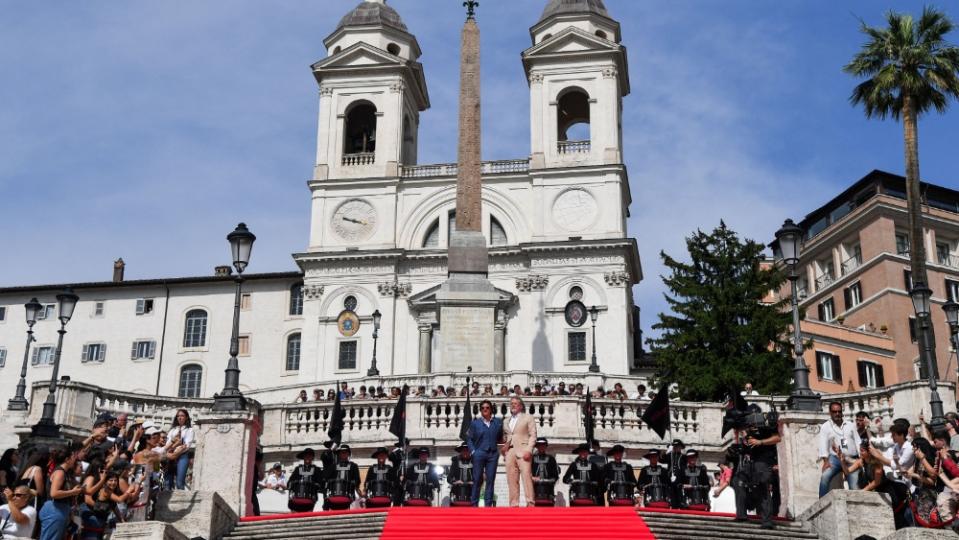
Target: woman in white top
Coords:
[[17, 517], [182, 431]]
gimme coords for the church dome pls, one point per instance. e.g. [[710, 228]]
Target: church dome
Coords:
[[559, 7], [373, 13]]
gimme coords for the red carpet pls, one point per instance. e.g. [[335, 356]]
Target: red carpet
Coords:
[[505, 523]]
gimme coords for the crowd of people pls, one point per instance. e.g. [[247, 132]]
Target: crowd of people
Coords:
[[475, 389], [83, 490], [916, 465]]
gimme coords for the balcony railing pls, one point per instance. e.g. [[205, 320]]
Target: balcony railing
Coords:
[[824, 280], [952, 261], [451, 169], [573, 147], [851, 264], [363, 158]]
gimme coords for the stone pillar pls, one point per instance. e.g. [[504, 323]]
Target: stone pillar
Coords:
[[225, 450], [846, 515], [798, 467], [426, 349], [499, 342]]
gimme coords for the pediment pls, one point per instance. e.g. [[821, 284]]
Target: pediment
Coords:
[[359, 54], [571, 39], [426, 299]]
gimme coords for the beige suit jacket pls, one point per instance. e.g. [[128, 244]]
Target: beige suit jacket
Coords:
[[523, 435]]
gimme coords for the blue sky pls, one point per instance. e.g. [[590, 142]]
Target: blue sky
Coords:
[[147, 130]]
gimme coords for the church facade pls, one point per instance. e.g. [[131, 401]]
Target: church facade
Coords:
[[555, 222]]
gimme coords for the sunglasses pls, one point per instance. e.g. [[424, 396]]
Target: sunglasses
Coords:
[[20, 495], [486, 408]]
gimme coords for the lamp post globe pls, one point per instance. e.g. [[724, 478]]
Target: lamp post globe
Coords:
[[230, 398], [951, 309], [19, 401], [789, 236], [921, 296]]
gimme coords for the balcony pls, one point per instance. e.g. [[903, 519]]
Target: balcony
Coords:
[[824, 280], [573, 147], [851, 264], [952, 261], [355, 160], [451, 169]]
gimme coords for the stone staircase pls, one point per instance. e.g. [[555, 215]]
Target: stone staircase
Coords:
[[353, 526], [671, 526]]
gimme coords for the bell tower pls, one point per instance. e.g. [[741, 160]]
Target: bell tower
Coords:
[[577, 75], [372, 91]]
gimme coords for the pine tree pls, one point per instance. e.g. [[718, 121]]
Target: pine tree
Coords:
[[722, 331]]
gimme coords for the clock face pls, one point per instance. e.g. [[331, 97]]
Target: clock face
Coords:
[[574, 209], [354, 220]]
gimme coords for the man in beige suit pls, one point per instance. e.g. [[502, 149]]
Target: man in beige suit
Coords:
[[519, 431]]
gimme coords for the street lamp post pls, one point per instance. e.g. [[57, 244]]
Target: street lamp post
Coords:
[[802, 398], [373, 372], [230, 398], [952, 317], [19, 401], [921, 302], [47, 426], [593, 315]]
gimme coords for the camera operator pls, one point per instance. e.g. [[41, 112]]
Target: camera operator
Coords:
[[753, 479]]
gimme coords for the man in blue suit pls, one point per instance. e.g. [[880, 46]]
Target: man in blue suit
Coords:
[[483, 437]]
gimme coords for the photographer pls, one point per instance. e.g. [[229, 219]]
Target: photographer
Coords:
[[753, 479]]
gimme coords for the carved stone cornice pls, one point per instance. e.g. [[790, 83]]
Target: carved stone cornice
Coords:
[[394, 289], [532, 282], [313, 292], [326, 90], [535, 77], [616, 279], [397, 87], [609, 73]]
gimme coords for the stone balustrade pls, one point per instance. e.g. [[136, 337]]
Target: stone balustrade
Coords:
[[362, 158], [451, 169], [573, 147]]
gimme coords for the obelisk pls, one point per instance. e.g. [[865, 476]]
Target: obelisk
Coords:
[[467, 300]]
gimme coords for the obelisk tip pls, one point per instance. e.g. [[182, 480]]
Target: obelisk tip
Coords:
[[471, 6]]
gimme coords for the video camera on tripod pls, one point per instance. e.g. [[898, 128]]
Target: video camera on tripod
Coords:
[[751, 419]]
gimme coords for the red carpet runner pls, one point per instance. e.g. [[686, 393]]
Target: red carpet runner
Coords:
[[506, 523]]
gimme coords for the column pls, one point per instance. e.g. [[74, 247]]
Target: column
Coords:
[[499, 342], [426, 349]]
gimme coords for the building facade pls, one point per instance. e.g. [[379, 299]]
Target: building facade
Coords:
[[555, 222], [855, 279]]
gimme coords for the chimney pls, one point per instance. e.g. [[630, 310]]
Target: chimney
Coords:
[[224, 270], [118, 267]]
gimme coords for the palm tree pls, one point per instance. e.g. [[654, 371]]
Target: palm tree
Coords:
[[911, 69]]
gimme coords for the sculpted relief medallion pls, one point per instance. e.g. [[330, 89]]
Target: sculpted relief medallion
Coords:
[[574, 209], [354, 220]]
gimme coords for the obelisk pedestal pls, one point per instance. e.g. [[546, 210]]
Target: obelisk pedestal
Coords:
[[467, 301]]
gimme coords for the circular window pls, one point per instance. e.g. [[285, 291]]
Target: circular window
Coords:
[[393, 48], [575, 292], [601, 34], [349, 304], [336, 50]]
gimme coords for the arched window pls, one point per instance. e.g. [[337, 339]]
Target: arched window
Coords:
[[360, 136], [601, 34], [573, 116], [194, 333], [432, 239], [409, 142], [336, 50], [497, 235], [296, 299], [293, 352], [451, 226], [191, 378], [393, 48]]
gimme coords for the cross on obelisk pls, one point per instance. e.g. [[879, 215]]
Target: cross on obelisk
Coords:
[[467, 301]]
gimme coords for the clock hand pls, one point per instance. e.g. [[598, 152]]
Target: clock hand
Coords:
[[351, 220]]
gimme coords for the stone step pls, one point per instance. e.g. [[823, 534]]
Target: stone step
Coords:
[[728, 531], [724, 524], [695, 518]]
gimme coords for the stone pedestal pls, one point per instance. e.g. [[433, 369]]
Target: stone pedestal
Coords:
[[798, 452], [467, 313], [225, 450], [196, 514], [846, 515], [147, 530]]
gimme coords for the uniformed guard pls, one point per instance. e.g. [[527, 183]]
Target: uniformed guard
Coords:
[[695, 483], [461, 477], [752, 480], [677, 462], [654, 482], [328, 459], [585, 479], [545, 474], [397, 457], [306, 483], [343, 480], [421, 480], [620, 478], [381, 480]]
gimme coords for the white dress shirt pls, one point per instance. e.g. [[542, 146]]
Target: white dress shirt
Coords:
[[843, 436], [906, 461], [512, 421]]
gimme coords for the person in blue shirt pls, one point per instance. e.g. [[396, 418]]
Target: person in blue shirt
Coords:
[[483, 438]]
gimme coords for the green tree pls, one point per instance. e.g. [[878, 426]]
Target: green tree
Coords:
[[722, 331], [909, 69]]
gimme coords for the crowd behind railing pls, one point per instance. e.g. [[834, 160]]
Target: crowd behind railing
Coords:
[[475, 389], [85, 489]]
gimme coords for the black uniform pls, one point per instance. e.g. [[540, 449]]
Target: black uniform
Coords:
[[587, 471], [419, 475], [695, 476], [677, 462], [396, 457], [545, 468], [328, 459], [306, 483], [617, 474], [752, 479], [377, 474], [654, 483], [461, 472], [342, 479]]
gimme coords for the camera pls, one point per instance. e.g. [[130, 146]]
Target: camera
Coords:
[[752, 419]]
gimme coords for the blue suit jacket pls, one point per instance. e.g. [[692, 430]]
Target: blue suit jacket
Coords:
[[482, 438]]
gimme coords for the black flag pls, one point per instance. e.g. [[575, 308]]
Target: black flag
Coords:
[[398, 422], [336, 421], [656, 416], [588, 421], [467, 415]]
